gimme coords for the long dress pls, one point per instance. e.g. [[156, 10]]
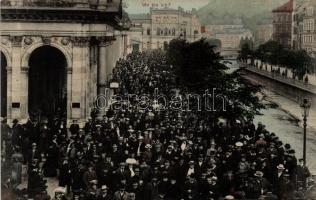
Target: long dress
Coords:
[[51, 164], [16, 173]]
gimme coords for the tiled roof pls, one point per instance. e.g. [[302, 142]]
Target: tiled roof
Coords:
[[287, 7]]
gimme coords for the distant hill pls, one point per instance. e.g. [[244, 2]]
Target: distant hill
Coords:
[[247, 12]]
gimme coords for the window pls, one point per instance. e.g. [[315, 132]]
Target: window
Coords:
[[173, 31], [109, 1], [148, 31], [166, 32], [158, 31]]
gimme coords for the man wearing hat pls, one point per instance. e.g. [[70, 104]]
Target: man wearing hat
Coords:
[[290, 162], [121, 194], [88, 127], [89, 176], [16, 133], [140, 148], [147, 155], [115, 155], [278, 178], [302, 173], [104, 193], [121, 172], [260, 185], [34, 153], [191, 169]]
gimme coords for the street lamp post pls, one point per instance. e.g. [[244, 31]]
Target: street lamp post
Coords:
[[305, 106]]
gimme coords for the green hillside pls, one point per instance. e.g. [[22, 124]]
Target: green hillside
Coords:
[[247, 12]]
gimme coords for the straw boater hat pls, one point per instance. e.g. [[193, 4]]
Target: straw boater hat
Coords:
[[148, 146], [281, 167], [239, 144], [258, 174], [104, 187], [229, 197], [131, 161]]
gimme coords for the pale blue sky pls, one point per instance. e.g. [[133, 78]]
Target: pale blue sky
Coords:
[[141, 6]]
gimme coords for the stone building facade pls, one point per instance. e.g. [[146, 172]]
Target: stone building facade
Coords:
[[282, 24], [157, 28], [307, 31], [264, 32], [81, 42]]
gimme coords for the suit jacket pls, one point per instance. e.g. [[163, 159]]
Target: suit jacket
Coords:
[[120, 196]]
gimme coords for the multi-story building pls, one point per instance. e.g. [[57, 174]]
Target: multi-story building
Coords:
[[308, 34], [56, 55], [157, 28], [282, 24], [212, 29], [264, 32], [231, 38], [305, 27]]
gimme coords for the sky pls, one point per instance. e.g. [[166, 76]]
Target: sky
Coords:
[[142, 6]]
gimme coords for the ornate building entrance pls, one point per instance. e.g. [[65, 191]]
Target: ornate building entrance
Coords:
[[58, 56], [47, 82]]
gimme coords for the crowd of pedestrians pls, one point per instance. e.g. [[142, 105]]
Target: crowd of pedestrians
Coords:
[[131, 153]]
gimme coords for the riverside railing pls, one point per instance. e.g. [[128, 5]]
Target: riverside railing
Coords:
[[284, 79]]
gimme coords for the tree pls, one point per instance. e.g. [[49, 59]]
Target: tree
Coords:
[[198, 69], [216, 43], [245, 52], [196, 64]]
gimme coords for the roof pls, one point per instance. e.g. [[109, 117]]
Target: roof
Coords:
[[139, 16], [287, 7]]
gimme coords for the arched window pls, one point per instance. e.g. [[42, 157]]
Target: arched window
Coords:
[[173, 31]]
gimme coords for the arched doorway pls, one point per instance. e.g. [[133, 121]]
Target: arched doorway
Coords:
[[3, 85], [47, 82]]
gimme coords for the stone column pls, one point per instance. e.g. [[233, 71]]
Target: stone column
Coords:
[[69, 95], [15, 106], [103, 72], [24, 91], [102, 76], [9, 92], [79, 77]]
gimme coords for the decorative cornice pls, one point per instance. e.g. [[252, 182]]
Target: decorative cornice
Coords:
[[71, 15], [105, 40], [80, 41], [16, 41]]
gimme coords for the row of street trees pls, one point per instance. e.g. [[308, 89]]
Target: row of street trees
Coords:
[[274, 54]]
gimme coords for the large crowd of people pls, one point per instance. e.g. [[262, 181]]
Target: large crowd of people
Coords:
[[133, 153]]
